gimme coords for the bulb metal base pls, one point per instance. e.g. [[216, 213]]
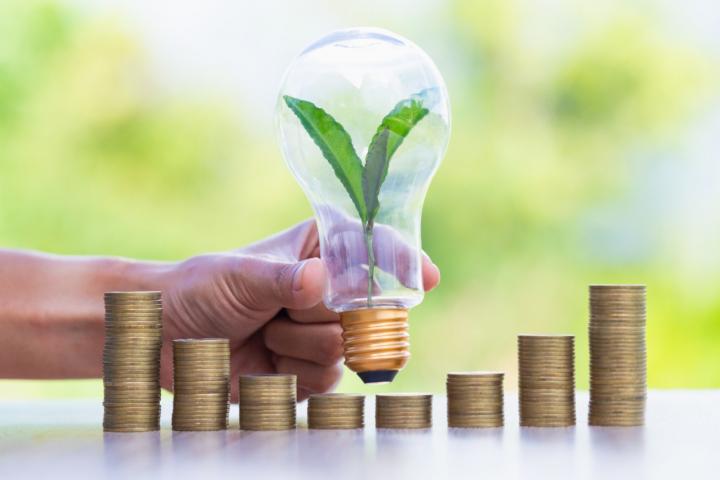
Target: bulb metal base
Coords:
[[376, 342]]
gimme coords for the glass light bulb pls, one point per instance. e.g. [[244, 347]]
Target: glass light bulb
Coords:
[[363, 119]]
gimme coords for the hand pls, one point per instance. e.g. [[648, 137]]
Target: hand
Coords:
[[267, 300]]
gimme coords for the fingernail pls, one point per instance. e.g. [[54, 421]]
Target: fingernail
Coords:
[[297, 282]]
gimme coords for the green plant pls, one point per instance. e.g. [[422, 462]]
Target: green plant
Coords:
[[362, 182]]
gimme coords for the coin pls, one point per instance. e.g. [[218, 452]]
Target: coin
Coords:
[[546, 380], [267, 402], [617, 355], [201, 375], [131, 361], [336, 411], [475, 399], [403, 410]]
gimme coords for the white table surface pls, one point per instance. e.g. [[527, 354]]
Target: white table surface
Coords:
[[64, 439]]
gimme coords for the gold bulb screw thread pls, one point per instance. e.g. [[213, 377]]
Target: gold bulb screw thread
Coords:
[[375, 339]]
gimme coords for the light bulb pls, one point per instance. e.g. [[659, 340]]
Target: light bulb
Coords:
[[363, 119]]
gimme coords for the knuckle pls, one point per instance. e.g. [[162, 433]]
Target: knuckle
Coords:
[[269, 335], [328, 379], [239, 265], [330, 347], [283, 278], [332, 378]]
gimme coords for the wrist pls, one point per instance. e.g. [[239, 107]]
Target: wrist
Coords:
[[137, 275]]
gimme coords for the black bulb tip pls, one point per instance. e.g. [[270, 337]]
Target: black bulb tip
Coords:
[[378, 376]]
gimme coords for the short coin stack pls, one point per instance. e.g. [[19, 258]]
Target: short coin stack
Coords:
[[268, 402], [617, 355], [201, 384], [131, 361], [475, 399], [403, 410], [336, 411], [547, 380]]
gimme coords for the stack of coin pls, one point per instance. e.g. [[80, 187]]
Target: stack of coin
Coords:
[[475, 399], [617, 355], [131, 361], [267, 402], [547, 380], [201, 384], [403, 410], [336, 411]]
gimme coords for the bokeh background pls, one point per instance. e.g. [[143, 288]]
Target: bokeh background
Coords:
[[584, 150]]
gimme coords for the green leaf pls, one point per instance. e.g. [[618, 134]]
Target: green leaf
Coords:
[[335, 145], [387, 139], [377, 162]]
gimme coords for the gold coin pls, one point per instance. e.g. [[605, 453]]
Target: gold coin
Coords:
[[478, 376], [134, 358], [277, 401], [564, 337], [472, 422], [268, 378], [336, 398], [268, 427], [200, 428], [403, 424], [201, 342], [131, 301], [221, 417], [202, 356], [187, 399], [403, 397], [123, 329], [336, 426], [133, 294], [199, 371]]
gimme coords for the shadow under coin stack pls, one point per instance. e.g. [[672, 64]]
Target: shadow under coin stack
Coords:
[[475, 399], [336, 411], [268, 402], [617, 355], [201, 384], [131, 361], [403, 410], [547, 380]]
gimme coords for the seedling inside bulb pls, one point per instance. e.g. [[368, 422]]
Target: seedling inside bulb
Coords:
[[362, 181]]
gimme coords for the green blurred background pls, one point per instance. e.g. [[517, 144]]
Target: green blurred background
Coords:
[[584, 150]]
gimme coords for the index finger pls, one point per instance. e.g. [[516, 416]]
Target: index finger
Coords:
[[317, 314]]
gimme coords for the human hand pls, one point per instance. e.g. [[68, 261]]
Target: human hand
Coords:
[[267, 300]]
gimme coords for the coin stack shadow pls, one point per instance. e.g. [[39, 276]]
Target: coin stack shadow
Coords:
[[547, 380], [403, 410], [268, 402], [336, 411], [618, 355], [201, 384], [131, 361], [475, 399]]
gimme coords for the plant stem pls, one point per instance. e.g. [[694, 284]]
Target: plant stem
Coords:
[[368, 231]]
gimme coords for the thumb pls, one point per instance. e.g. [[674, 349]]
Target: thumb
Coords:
[[273, 284]]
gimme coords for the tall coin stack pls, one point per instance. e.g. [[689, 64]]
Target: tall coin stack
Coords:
[[201, 384], [475, 399], [131, 361], [403, 410], [547, 380], [268, 402], [336, 411], [617, 355]]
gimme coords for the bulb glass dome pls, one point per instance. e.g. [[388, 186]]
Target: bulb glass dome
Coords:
[[363, 119]]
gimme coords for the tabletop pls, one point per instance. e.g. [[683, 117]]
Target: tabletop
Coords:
[[64, 439]]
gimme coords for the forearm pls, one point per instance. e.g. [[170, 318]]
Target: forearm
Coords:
[[51, 311]]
